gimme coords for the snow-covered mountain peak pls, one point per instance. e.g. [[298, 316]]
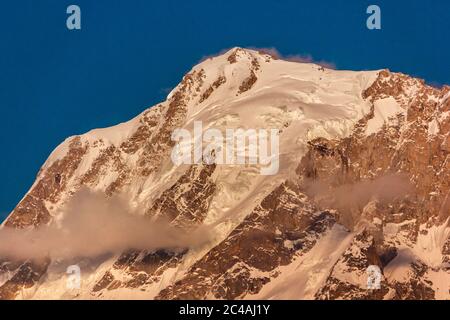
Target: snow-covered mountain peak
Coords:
[[342, 130]]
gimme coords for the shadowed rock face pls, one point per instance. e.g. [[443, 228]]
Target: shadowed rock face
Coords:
[[141, 268], [152, 138], [287, 222], [256, 246], [25, 277], [32, 212], [405, 148], [186, 202], [184, 205]]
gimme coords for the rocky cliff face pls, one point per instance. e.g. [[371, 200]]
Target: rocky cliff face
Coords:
[[363, 181]]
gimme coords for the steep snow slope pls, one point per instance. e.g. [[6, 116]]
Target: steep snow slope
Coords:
[[306, 275]]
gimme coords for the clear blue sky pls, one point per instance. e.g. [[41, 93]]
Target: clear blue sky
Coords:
[[55, 83]]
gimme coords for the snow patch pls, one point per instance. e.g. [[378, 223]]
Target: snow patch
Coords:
[[384, 112], [433, 128]]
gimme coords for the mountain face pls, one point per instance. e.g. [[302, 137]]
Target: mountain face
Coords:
[[363, 181]]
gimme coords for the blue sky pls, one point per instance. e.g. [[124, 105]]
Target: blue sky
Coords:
[[55, 83]]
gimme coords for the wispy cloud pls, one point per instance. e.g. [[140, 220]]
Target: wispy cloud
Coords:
[[210, 56], [353, 197], [295, 57], [274, 53], [94, 225]]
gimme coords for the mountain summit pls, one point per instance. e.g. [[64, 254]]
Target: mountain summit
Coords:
[[362, 185]]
